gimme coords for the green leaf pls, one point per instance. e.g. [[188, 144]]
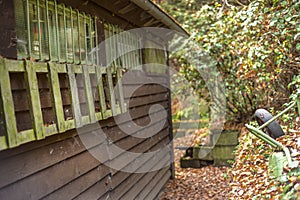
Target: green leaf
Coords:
[[298, 46], [277, 161]]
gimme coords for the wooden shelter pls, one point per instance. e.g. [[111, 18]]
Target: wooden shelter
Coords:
[[54, 84]]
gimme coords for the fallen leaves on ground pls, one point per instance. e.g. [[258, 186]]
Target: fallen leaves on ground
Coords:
[[247, 179], [203, 183], [199, 136], [250, 171]]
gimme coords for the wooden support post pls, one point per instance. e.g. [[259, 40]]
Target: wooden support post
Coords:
[[169, 118], [99, 73], [120, 90], [74, 96], [54, 70], [8, 105], [3, 142], [35, 103], [111, 91], [88, 93], [14, 138], [56, 97]]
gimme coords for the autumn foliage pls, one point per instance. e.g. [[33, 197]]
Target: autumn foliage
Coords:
[[255, 46], [250, 171]]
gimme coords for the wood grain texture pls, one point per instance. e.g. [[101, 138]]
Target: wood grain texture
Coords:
[[8, 40], [70, 171]]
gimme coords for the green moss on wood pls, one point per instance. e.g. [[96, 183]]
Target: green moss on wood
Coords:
[[8, 106], [35, 103], [89, 95], [56, 95]]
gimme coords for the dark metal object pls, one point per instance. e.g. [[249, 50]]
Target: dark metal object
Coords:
[[265, 137], [188, 150], [273, 129]]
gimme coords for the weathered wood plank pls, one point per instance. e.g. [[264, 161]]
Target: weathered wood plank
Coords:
[[143, 181], [155, 184], [61, 68], [138, 112], [3, 143], [138, 77], [96, 191], [15, 65], [89, 95], [81, 184], [41, 67], [46, 102], [17, 85], [106, 113], [144, 90], [158, 157], [65, 94], [85, 120], [8, 106], [35, 103], [111, 91], [135, 113], [20, 105], [122, 159], [51, 129], [128, 182], [91, 128], [8, 19], [120, 90], [45, 97], [118, 134], [56, 96], [100, 91], [132, 183], [26, 136], [26, 164], [57, 176], [74, 97], [144, 100], [129, 143], [17, 81], [159, 185], [77, 69]]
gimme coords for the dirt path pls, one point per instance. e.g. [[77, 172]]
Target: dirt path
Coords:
[[204, 183]]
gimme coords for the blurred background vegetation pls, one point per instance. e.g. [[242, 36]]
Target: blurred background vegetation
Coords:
[[255, 46]]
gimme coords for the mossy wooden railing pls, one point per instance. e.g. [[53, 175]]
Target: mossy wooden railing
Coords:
[[12, 137]]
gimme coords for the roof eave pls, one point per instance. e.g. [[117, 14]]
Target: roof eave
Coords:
[[160, 15]]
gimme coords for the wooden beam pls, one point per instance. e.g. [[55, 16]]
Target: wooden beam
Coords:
[[15, 65], [111, 91], [89, 94], [8, 105], [56, 96], [99, 73], [8, 38], [35, 103], [74, 96], [3, 143], [120, 90], [54, 70]]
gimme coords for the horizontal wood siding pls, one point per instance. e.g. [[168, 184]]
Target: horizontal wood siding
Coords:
[[61, 167]]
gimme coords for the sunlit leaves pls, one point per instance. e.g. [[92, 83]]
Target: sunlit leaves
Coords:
[[256, 46], [204, 183], [250, 171]]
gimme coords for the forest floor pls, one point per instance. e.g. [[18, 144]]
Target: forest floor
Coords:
[[202, 183], [248, 178]]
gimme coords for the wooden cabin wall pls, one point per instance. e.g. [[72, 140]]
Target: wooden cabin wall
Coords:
[[60, 167], [8, 38]]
